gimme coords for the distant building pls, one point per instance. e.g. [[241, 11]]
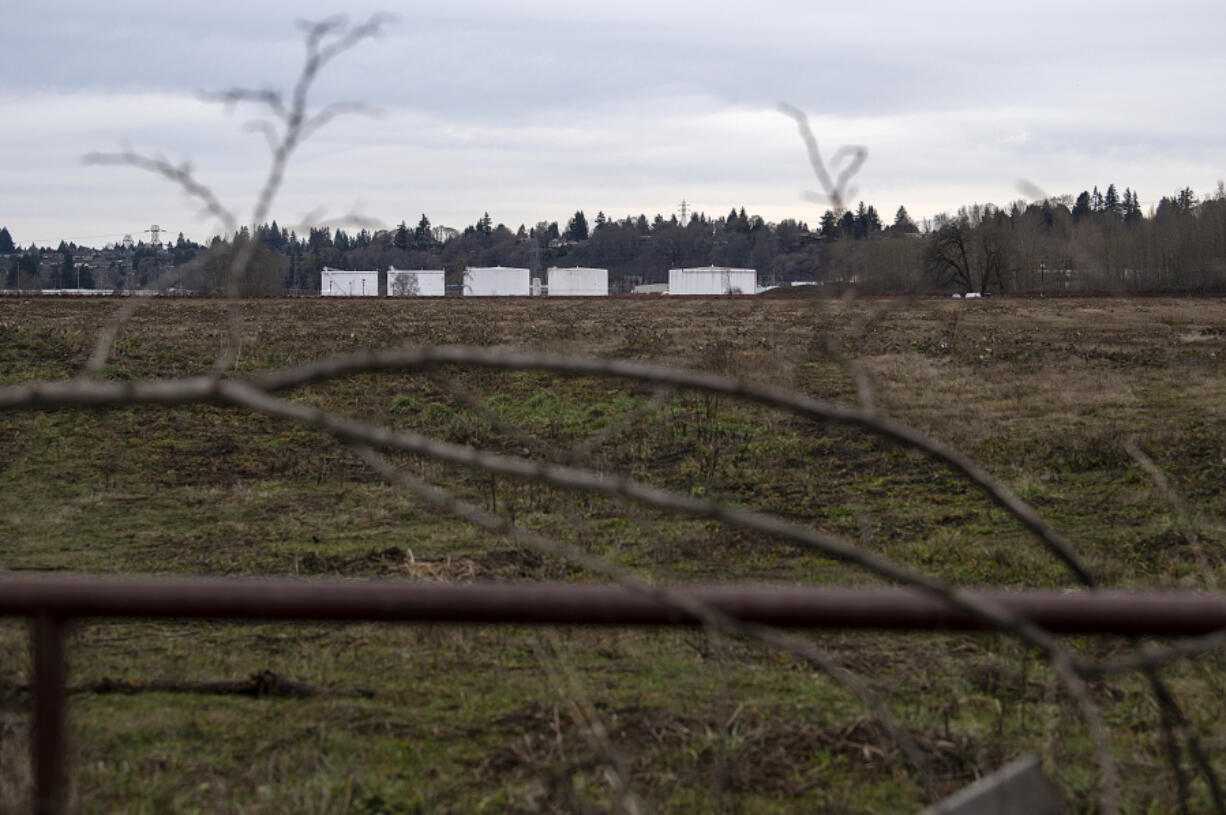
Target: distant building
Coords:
[[578, 282], [341, 283], [650, 288], [497, 281], [712, 280], [419, 283]]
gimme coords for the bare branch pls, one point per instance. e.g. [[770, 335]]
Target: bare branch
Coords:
[[835, 190], [298, 125], [571, 478], [1155, 656], [323, 117], [1174, 725], [180, 175], [267, 97], [427, 358], [270, 132], [1179, 504], [315, 218], [710, 616], [433, 357]]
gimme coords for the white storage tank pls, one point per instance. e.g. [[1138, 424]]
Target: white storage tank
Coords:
[[497, 281], [416, 283], [577, 281], [341, 283], [712, 280]]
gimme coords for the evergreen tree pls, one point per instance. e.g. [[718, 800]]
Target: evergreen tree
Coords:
[[1132, 206], [872, 222], [401, 238], [423, 237], [866, 223], [271, 237], [1096, 200], [847, 225], [67, 277], [6, 242], [576, 228], [1082, 207], [1186, 200], [829, 225], [25, 270], [903, 224], [601, 221], [1111, 201]]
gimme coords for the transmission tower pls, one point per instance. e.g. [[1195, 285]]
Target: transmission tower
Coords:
[[155, 233], [684, 209]]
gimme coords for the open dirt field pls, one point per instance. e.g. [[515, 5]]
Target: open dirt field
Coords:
[[1063, 400]]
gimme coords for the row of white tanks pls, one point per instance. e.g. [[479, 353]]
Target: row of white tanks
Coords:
[[500, 281]]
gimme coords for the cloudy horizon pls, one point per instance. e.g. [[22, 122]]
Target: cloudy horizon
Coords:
[[532, 112]]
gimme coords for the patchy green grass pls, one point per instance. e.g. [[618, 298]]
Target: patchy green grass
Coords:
[[498, 719]]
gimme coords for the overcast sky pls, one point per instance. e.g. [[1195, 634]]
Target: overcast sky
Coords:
[[531, 110]]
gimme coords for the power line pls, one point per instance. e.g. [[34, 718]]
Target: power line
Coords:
[[72, 238]]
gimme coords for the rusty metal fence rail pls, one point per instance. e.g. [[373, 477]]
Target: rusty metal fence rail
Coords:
[[50, 603]]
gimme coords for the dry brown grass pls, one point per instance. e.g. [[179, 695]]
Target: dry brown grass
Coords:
[[1045, 393]]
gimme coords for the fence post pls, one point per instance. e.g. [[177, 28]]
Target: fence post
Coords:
[[47, 690]]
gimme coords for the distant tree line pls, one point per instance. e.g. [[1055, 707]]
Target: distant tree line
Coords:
[[1102, 241], [1095, 241], [633, 249]]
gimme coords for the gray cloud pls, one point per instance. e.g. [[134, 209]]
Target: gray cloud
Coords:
[[530, 111]]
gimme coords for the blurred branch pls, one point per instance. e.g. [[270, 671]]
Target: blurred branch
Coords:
[[835, 191], [433, 357], [179, 174], [711, 617], [1182, 512], [254, 395], [256, 390]]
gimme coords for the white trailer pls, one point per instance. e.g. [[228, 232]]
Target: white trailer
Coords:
[[341, 283], [497, 281], [416, 283], [712, 280], [577, 281]]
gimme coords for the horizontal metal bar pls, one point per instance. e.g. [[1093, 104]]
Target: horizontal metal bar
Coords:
[[1086, 612]]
